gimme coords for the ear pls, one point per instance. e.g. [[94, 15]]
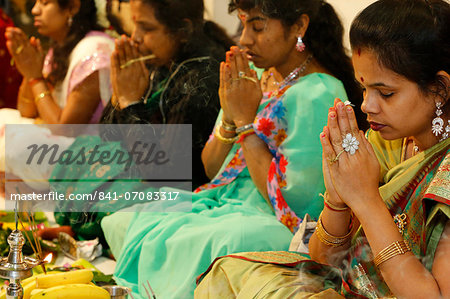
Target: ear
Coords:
[[74, 7], [300, 27], [443, 85]]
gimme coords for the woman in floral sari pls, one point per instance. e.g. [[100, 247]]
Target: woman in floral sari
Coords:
[[376, 242], [263, 156]]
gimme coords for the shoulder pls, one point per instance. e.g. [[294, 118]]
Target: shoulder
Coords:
[[314, 92], [317, 85], [95, 42]]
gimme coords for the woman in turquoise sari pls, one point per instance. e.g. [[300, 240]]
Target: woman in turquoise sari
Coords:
[[371, 241], [263, 156]]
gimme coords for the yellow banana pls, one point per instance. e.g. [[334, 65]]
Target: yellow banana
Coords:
[[51, 280], [72, 291]]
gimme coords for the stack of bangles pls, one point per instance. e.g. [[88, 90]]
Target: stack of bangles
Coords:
[[328, 239], [241, 132], [396, 248]]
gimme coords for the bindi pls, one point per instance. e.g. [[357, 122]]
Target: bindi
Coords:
[[362, 79], [359, 52], [243, 17]]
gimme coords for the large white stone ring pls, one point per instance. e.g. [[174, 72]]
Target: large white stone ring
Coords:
[[350, 144], [241, 74]]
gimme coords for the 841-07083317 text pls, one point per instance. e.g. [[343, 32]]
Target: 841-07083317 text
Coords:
[[97, 195]]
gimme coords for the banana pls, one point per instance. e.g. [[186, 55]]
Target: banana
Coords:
[[72, 291], [51, 280]]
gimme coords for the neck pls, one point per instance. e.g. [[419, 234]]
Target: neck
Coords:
[[292, 63], [61, 36]]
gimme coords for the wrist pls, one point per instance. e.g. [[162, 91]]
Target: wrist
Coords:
[[243, 122]]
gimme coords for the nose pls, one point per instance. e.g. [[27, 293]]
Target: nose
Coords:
[[35, 10], [246, 40], [370, 104]]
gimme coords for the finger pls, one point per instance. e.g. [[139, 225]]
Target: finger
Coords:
[[334, 131], [343, 122], [246, 64], [233, 63], [227, 76], [127, 50], [240, 67], [135, 53], [327, 149], [120, 51], [365, 144], [115, 63], [222, 75], [352, 120]]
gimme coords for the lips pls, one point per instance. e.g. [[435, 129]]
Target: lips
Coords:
[[376, 126], [251, 55]]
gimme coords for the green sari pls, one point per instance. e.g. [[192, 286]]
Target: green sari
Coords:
[[418, 187]]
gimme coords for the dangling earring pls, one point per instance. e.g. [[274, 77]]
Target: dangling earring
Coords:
[[300, 46], [438, 122], [447, 131], [69, 21]]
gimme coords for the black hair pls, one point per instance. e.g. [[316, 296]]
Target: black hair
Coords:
[[324, 37], [184, 19], [409, 37], [82, 22]]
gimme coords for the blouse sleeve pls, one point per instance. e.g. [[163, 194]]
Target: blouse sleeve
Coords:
[[90, 55], [295, 178]]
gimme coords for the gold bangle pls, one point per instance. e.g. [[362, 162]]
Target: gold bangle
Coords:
[[227, 127], [332, 206], [224, 139], [41, 96], [328, 239], [396, 248]]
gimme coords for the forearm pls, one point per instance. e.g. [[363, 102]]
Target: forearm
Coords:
[[258, 159], [336, 224], [404, 274], [215, 153], [25, 100], [46, 106]]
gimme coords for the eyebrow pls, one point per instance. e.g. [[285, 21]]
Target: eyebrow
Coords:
[[258, 18], [379, 84]]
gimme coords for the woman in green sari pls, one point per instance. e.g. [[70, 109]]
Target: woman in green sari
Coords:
[[265, 131], [374, 242]]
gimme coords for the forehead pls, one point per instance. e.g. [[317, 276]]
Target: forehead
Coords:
[[368, 67], [142, 11], [250, 15]]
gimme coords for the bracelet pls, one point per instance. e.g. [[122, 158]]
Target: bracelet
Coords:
[[329, 239], [332, 206], [227, 127], [224, 139], [396, 248], [34, 81], [244, 128], [41, 96], [245, 134]]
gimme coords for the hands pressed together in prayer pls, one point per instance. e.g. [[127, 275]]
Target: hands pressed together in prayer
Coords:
[[240, 91], [350, 167], [26, 53], [129, 80]]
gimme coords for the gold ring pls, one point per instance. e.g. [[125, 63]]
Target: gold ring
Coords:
[[335, 159], [19, 49]]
